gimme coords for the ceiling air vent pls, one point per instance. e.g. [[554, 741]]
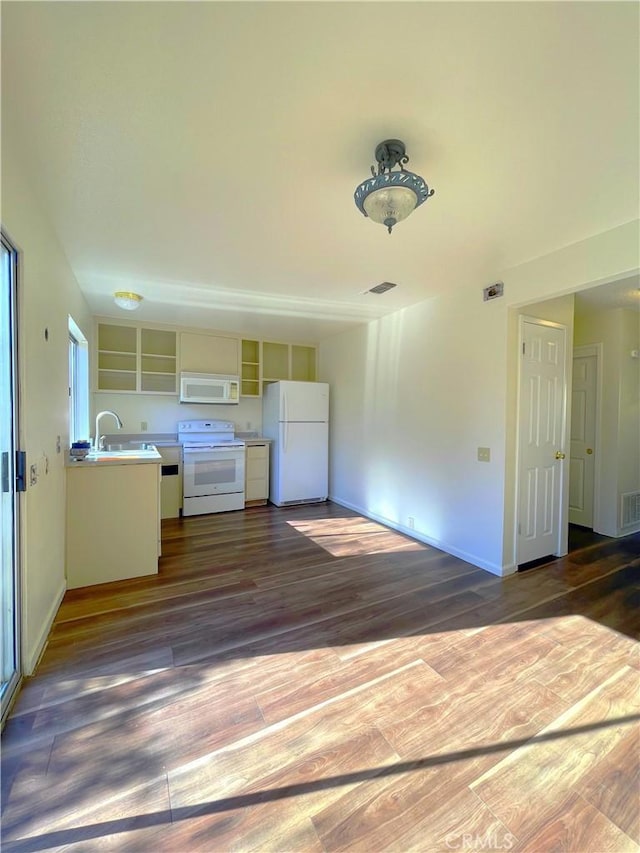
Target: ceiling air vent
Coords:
[[382, 288]]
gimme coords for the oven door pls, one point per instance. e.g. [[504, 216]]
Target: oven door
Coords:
[[213, 471]]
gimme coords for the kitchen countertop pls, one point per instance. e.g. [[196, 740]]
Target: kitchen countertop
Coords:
[[163, 439], [133, 457]]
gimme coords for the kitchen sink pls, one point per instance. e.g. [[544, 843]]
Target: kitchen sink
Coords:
[[112, 452]]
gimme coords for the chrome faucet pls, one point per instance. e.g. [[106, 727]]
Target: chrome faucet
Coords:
[[99, 439]]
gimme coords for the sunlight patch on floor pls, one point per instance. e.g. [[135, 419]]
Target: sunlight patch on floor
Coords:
[[354, 536]]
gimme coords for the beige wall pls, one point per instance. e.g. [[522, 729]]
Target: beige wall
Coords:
[[48, 293]]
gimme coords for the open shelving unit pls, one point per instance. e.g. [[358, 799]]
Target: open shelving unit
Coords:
[[133, 359], [264, 362]]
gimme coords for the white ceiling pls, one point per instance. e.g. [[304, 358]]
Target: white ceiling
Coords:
[[205, 154]]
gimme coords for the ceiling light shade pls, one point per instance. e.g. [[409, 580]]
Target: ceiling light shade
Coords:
[[127, 300], [389, 197]]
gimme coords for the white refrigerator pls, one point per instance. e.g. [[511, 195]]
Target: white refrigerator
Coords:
[[295, 416]]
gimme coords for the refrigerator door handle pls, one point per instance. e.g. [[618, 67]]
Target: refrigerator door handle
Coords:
[[285, 417]]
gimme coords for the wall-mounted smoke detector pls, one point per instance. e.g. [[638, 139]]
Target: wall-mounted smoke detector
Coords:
[[382, 287]]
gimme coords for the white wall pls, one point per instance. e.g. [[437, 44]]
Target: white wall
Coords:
[[618, 331], [48, 293], [414, 395], [412, 398]]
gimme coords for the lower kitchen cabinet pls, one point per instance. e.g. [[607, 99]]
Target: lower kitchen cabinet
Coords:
[[171, 485], [113, 522], [256, 486]]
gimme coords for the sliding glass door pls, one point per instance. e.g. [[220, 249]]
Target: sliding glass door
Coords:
[[9, 504]]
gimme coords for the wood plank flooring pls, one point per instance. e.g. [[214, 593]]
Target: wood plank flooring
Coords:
[[304, 679]]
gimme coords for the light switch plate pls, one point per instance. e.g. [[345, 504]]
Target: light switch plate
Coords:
[[484, 454]]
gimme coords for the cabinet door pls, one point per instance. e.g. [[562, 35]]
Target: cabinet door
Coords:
[[257, 473], [208, 354]]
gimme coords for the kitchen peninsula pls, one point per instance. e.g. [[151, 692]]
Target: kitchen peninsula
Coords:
[[113, 517]]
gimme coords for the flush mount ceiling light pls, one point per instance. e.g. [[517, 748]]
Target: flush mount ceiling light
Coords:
[[127, 300], [389, 197]]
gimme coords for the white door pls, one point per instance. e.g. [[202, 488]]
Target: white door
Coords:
[[583, 435], [541, 433], [304, 401], [301, 462]]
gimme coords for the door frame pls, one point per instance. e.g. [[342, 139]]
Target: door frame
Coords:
[[18, 544], [562, 518], [583, 352]]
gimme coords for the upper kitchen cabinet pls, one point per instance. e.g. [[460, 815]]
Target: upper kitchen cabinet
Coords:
[[202, 353], [303, 363], [250, 372], [136, 359], [266, 361]]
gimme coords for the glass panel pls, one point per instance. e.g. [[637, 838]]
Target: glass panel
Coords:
[[78, 383], [9, 600], [215, 472]]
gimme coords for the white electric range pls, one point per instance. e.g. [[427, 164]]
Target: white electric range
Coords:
[[213, 467]]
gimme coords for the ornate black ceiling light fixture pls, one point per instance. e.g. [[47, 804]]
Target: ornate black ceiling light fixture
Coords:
[[389, 197]]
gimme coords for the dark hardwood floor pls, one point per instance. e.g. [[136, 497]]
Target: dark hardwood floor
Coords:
[[305, 679]]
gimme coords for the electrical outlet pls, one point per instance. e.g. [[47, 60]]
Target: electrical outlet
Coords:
[[58, 444], [412, 522], [484, 454], [33, 475], [144, 426]]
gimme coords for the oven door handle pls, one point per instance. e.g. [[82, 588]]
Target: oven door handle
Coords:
[[188, 451]]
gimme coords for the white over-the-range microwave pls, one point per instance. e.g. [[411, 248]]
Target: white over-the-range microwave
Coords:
[[209, 388]]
